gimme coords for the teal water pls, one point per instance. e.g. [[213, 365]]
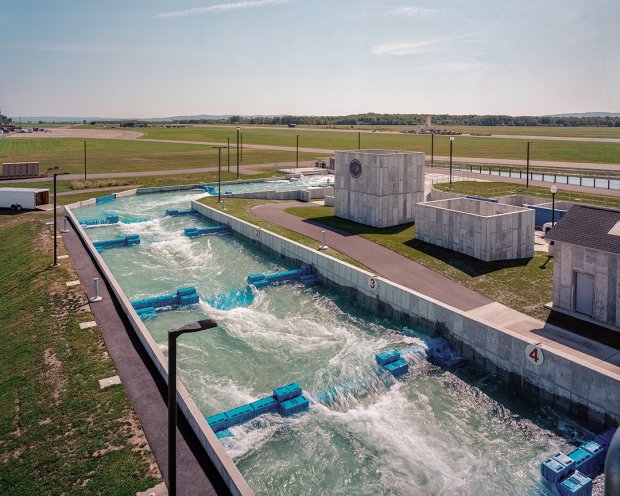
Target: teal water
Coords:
[[433, 433]]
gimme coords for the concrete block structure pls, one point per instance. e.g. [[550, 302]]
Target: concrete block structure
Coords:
[[586, 271], [484, 230], [378, 188]]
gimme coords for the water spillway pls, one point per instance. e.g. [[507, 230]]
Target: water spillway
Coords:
[[426, 432]]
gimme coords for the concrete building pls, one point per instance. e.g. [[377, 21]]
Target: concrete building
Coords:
[[378, 187], [484, 230], [586, 271]]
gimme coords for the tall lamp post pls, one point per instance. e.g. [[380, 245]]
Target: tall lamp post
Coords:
[[451, 141], [219, 172], [527, 166], [200, 325], [84, 160], [241, 149], [554, 190], [359, 140], [297, 156], [238, 151], [55, 264], [432, 148], [228, 151]]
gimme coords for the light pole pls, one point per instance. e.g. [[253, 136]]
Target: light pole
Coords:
[[238, 151], [84, 160], [432, 148], [451, 141], [55, 264], [297, 156], [359, 140], [554, 190], [200, 325], [241, 149], [527, 167], [219, 172], [228, 151]]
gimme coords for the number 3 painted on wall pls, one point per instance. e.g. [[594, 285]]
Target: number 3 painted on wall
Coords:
[[372, 283], [534, 354]]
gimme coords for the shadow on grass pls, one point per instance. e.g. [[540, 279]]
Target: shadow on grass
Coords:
[[350, 228]]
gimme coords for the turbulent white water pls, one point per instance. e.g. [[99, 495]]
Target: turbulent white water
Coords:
[[432, 433]]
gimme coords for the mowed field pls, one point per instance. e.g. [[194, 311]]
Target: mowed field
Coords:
[[105, 155], [474, 147]]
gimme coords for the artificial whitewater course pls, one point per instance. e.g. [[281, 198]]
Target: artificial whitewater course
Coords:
[[366, 431]]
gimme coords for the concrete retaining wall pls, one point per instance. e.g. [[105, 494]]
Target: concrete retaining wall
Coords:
[[484, 230], [210, 443], [306, 194], [571, 384]]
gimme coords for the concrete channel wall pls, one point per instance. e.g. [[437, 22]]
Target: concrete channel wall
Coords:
[[297, 194], [571, 383], [211, 444]]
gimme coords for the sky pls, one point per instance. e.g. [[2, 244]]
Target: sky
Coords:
[[158, 58]]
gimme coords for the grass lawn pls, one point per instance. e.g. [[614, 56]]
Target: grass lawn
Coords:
[[59, 433], [519, 284], [497, 189], [241, 209], [568, 151], [103, 155]]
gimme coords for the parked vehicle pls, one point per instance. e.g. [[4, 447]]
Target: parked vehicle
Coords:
[[18, 199]]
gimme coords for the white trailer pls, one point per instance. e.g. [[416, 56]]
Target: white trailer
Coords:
[[23, 198]]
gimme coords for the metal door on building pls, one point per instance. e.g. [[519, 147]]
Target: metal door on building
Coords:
[[584, 293]]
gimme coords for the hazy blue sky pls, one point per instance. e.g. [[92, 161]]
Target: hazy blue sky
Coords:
[[154, 58]]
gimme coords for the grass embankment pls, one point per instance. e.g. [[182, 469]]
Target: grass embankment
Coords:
[[105, 155], [497, 189], [242, 209], [524, 285], [59, 433], [475, 147]]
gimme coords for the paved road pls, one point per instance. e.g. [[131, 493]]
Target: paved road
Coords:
[[383, 261], [143, 385]]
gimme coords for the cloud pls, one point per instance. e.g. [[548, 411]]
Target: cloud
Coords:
[[64, 47], [412, 48], [220, 7]]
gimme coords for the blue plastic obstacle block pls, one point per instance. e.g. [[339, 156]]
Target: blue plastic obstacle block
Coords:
[[386, 357], [584, 461], [287, 392], [604, 439], [264, 405], [190, 290], [194, 232], [130, 240], [240, 415], [576, 485], [100, 221], [598, 452], [188, 300], [293, 406], [106, 198], [557, 467], [223, 434], [146, 313], [397, 368], [252, 278], [178, 213], [233, 299], [309, 280], [219, 422], [440, 353]]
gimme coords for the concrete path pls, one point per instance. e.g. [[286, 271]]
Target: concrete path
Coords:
[[383, 261], [143, 386], [588, 343]]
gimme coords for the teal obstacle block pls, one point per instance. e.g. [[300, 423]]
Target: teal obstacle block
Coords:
[[577, 484], [387, 357], [223, 434], [397, 368], [287, 392], [293, 406], [100, 221], [233, 299], [240, 415], [129, 240], [194, 232], [178, 213], [264, 405], [584, 461], [219, 422]]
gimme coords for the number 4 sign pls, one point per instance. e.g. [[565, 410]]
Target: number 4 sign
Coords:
[[534, 354]]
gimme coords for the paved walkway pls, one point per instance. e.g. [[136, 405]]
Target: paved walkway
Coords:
[[143, 385], [414, 276]]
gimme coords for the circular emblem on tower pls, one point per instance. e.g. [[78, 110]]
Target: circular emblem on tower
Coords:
[[355, 168]]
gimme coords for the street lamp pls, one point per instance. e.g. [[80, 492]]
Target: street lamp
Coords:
[[200, 325], [238, 151], [241, 149], [55, 264], [527, 167], [432, 148], [84, 160], [554, 190], [228, 151], [451, 141], [359, 140], [297, 159], [219, 172]]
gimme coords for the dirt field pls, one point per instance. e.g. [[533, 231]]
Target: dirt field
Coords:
[[64, 132]]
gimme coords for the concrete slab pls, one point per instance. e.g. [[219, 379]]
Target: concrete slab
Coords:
[[110, 381], [63, 257], [88, 325], [70, 284], [159, 490]]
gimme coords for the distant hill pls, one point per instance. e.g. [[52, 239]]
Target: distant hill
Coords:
[[55, 118], [587, 114]]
